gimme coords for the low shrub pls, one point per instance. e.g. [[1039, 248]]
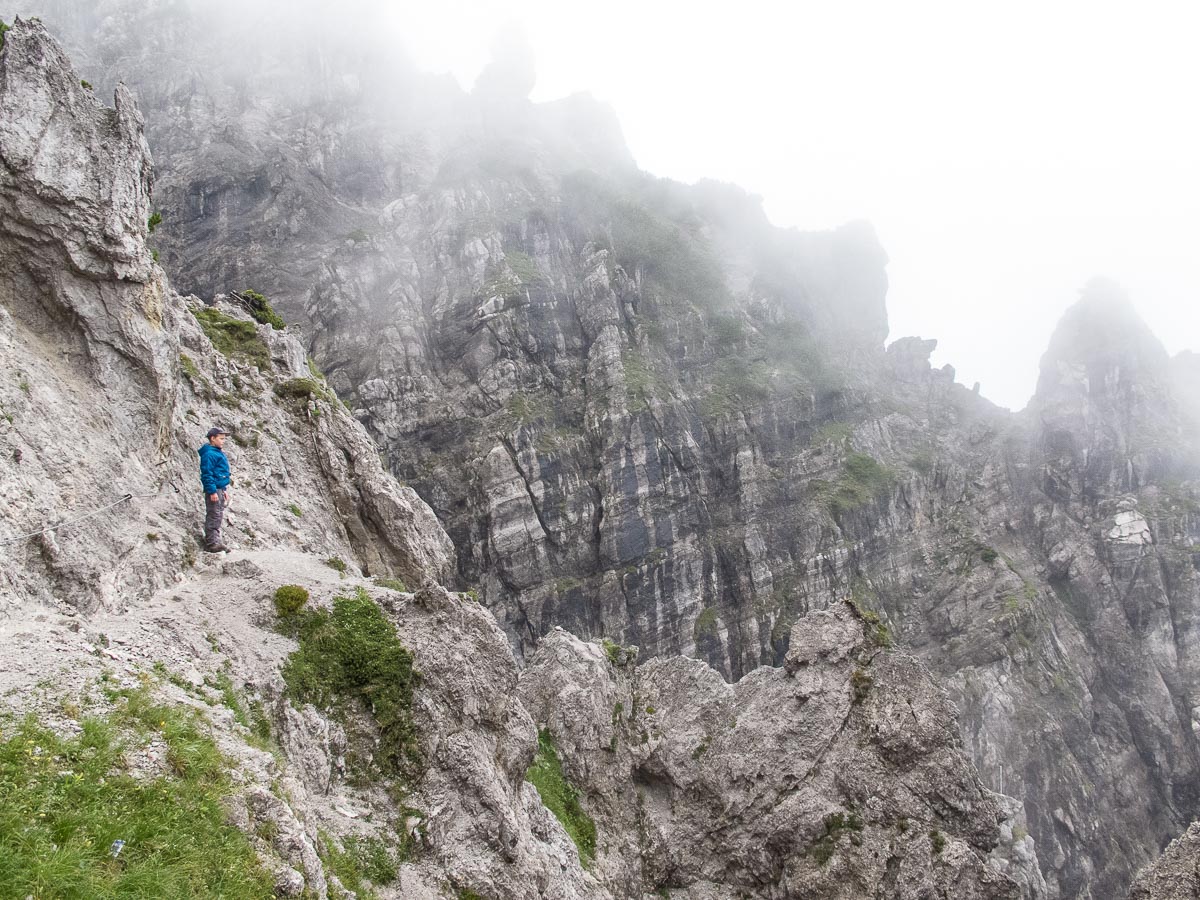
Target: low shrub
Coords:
[[260, 310], [353, 655], [289, 600]]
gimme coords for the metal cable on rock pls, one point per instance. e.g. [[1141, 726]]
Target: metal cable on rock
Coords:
[[123, 499]]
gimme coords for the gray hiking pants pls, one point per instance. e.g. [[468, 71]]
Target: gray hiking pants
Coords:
[[214, 513]]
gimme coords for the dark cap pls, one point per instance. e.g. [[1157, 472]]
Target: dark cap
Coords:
[[213, 432]]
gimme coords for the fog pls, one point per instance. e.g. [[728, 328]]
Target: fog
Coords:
[[1004, 155]]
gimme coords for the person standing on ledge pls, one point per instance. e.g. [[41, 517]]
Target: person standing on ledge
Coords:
[[214, 475]]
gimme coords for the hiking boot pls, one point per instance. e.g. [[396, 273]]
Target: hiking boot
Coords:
[[217, 548]]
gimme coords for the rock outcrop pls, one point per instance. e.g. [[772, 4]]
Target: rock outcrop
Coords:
[[109, 379], [839, 775], [1176, 874]]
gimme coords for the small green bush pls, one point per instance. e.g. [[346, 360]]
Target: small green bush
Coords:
[[156, 219], [937, 841], [988, 555], [289, 600], [234, 337], [260, 310], [862, 480], [353, 655], [3, 28], [706, 623], [337, 564], [295, 510], [561, 798], [85, 84]]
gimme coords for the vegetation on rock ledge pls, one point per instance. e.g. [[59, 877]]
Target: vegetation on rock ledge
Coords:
[[561, 798], [353, 654], [234, 337]]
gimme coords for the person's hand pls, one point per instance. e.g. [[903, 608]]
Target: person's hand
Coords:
[[226, 496], [212, 497]]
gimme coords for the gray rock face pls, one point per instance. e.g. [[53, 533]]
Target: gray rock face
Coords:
[[643, 413], [841, 775], [96, 341], [93, 335], [1176, 874]]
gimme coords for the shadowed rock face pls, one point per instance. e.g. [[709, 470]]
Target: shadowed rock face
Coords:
[[642, 412]]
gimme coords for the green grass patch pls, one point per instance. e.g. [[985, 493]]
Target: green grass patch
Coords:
[[337, 564], [834, 826], [362, 861], [260, 310], [295, 510], [862, 480], [561, 798], [392, 584], [234, 337], [352, 655], [299, 389], [706, 624], [64, 801], [860, 685]]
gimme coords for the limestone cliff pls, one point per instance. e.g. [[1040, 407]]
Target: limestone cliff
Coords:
[[109, 379], [643, 413]]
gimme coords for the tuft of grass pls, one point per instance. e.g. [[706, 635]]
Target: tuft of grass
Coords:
[[85, 84], [66, 800], [392, 584], [353, 655], [706, 624], [152, 536], [295, 510], [337, 564], [235, 338], [561, 798], [835, 825], [260, 310], [362, 859], [299, 390], [988, 555], [862, 480], [860, 684], [155, 219], [224, 685], [937, 841]]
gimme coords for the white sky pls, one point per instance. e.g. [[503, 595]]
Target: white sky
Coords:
[[1005, 152]]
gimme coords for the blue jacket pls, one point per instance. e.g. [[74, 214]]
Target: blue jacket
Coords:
[[214, 469]]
